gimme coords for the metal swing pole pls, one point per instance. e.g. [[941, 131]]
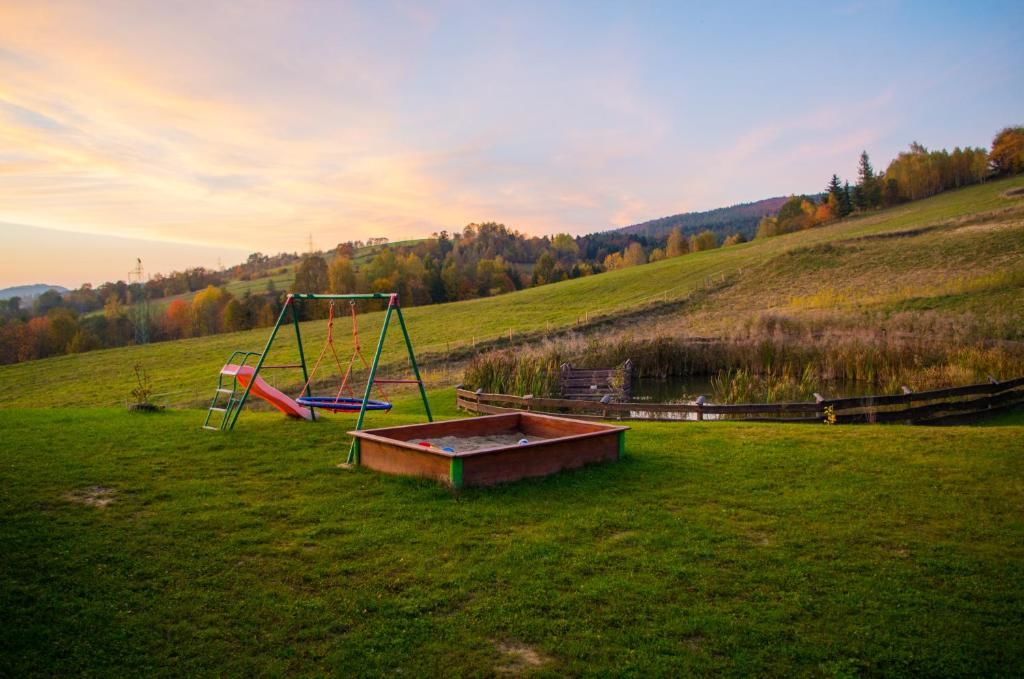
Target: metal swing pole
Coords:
[[259, 364], [353, 451], [412, 359], [302, 357]]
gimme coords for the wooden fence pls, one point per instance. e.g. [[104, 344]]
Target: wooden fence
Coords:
[[938, 406], [592, 384]]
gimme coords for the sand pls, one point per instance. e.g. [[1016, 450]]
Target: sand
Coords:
[[465, 444]]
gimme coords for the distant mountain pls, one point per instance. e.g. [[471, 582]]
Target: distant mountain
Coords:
[[724, 221], [29, 292]]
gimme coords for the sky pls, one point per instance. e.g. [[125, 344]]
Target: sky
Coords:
[[191, 132]]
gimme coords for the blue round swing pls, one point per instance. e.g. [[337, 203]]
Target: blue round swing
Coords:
[[337, 403], [344, 403]]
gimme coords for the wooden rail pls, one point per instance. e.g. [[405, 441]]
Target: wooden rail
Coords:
[[925, 406]]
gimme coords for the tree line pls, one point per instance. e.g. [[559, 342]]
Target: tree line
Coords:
[[914, 174]]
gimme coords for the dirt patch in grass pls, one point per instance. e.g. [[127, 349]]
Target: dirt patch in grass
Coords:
[[94, 496], [1013, 193], [518, 658], [759, 538], [694, 642]]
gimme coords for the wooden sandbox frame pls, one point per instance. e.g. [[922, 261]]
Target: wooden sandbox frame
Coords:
[[567, 444]]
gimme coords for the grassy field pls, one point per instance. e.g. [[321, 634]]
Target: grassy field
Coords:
[[142, 545], [783, 273], [736, 549]]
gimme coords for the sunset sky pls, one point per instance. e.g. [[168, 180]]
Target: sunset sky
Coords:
[[184, 132]]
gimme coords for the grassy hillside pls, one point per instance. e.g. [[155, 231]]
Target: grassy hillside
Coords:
[[959, 253], [752, 550]]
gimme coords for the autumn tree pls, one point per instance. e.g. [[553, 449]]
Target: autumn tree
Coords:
[[677, 244], [1007, 155], [634, 255], [206, 309], [705, 240], [613, 261], [341, 276], [62, 326], [178, 319]]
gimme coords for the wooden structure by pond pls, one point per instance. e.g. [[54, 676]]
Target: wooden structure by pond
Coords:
[[939, 406], [593, 384]]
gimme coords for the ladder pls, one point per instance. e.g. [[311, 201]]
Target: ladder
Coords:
[[225, 409]]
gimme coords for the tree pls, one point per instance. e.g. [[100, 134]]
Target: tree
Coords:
[[867, 193], [734, 239], [206, 308], [1007, 156], [677, 244], [565, 247], [613, 261], [311, 275], [634, 255], [233, 317], [178, 319], [62, 328], [845, 201], [544, 271], [767, 227], [50, 299], [705, 240], [341, 276]]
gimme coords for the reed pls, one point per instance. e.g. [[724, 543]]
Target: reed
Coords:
[[783, 361]]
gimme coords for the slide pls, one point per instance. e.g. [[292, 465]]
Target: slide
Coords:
[[279, 400]]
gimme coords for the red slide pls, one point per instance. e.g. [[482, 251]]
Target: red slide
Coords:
[[260, 388]]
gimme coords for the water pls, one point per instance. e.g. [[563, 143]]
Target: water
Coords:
[[687, 389], [672, 390]]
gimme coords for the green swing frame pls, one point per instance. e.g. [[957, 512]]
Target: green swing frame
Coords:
[[394, 310]]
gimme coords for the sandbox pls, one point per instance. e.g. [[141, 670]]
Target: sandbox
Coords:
[[504, 448]]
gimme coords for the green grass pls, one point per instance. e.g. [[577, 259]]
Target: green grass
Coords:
[[712, 548], [185, 370]]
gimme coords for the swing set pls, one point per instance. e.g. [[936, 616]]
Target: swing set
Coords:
[[236, 375]]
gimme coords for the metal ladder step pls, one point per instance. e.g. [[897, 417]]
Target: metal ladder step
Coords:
[[206, 426], [218, 410], [225, 391]]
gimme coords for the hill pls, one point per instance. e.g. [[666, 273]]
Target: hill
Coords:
[[947, 257], [29, 292], [723, 221]]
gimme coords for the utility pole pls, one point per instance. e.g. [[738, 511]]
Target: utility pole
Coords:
[[139, 303]]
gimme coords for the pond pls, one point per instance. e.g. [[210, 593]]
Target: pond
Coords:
[[687, 388]]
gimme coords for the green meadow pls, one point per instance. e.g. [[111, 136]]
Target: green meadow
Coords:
[[141, 545]]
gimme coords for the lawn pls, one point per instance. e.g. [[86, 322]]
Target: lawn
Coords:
[[712, 548]]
